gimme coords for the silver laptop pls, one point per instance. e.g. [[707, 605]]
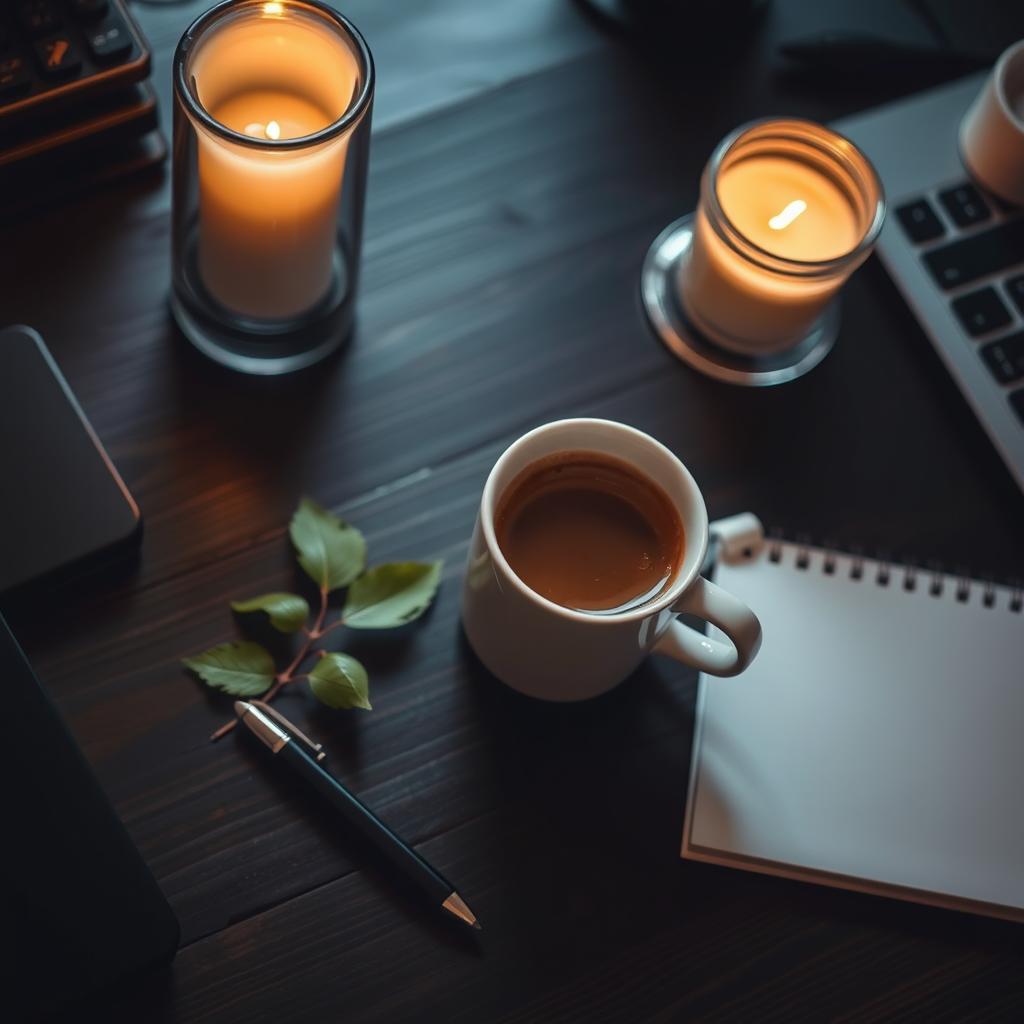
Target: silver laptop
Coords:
[[955, 253]]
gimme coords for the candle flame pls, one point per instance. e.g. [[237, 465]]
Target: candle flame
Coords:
[[788, 215], [257, 130]]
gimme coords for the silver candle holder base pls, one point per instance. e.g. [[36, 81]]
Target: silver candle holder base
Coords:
[[673, 326]]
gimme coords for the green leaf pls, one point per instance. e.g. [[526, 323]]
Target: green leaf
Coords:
[[244, 669], [288, 612], [339, 681], [391, 595], [332, 552]]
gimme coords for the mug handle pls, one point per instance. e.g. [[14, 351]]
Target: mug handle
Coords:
[[708, 601]]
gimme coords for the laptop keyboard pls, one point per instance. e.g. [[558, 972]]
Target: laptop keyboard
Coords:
[[973, 247], [47, 45]]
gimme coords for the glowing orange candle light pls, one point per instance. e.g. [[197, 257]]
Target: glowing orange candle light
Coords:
[[272, 107], [788, 210], [266, 216]]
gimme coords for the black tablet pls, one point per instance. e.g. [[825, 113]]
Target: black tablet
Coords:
[[64, 507], [81, 907]]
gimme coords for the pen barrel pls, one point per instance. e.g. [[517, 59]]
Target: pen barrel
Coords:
[[402, 857]]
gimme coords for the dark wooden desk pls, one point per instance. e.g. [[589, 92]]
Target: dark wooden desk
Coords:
[[513, 192]]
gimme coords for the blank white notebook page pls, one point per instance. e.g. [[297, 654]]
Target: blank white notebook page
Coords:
[[878, 736]]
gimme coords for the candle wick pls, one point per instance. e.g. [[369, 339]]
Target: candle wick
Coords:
[[788, 215]]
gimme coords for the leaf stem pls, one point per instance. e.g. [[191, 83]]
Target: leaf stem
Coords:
[[288, 675], [340, 621]]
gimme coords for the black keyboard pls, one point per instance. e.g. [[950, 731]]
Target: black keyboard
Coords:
[[973, 248], [56, 53]]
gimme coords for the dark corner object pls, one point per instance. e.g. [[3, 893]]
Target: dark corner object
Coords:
[[67, 512], [82, 909]]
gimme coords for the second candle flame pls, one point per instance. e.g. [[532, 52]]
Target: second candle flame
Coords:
[[787, 215]]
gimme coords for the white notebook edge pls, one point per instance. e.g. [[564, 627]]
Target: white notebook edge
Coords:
[[693, 851], [757, 865]]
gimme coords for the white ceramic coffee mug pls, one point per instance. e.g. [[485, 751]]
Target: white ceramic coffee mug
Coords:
[[546, 650], [992, 131]]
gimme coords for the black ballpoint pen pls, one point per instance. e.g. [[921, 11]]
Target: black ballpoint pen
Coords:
[[292, 746]]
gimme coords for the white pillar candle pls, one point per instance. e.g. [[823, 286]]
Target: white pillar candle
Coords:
[[267, 211], [786, 223]]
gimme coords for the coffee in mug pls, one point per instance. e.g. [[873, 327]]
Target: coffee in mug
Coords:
[[589, 542], [589, 532]]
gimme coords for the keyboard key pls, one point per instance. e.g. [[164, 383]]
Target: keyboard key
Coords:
[[1015, 289], [39, 17], [919, 221], [965, 205], [58, 56], [14, 75], [109, 41], [981, 311], [89, 10], [987, 252], [1005, 358], [1017, 401]]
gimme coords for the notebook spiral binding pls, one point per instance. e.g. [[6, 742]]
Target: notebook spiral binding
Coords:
[[932, 579]]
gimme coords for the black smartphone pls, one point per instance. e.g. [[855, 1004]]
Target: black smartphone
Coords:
[[64, 509]]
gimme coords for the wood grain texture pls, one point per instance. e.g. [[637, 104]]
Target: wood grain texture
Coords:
[[505, 231]]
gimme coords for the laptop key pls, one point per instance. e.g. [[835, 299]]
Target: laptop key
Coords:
[[14, 75], [58, 56], [919, 221], [109, 41], [981, 311], [89, 10], [987, 252], [38, 17], [1015, 289], [1005, 358], [965, 205]]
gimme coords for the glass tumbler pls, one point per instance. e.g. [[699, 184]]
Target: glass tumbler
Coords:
[[272, 108]]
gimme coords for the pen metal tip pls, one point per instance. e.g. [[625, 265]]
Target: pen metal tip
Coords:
[[241, 706], [456, 906]]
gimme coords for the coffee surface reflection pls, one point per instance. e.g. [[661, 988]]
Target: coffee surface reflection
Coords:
[[590, 532]]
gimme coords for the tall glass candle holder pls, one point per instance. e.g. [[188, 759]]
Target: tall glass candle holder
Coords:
[[272, 107], [746, 289]]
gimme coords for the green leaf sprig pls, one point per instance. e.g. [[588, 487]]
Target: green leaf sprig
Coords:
[[333, 554]]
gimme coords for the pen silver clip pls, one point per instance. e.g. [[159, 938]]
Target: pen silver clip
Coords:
[[316, 749]]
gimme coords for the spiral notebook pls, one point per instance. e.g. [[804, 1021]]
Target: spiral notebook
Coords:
[[877, 741]]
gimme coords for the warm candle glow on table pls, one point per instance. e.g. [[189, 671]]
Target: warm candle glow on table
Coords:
[[266, 217], [272, 110], [788, 209], [788, 224]]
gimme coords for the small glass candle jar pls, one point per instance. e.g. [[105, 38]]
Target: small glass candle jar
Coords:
[[271, 140], [788, 210]]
